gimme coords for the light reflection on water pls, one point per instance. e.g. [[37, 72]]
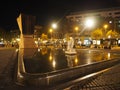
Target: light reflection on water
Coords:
[[47, 60]]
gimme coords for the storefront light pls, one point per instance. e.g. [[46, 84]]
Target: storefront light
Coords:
[[118, 41], [98, 42]]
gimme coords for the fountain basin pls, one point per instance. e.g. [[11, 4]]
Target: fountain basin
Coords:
[[55, 77]]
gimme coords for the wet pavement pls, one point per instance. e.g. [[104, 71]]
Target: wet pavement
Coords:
[[109, 80]]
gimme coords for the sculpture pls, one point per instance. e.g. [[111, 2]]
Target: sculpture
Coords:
[[70, 45]]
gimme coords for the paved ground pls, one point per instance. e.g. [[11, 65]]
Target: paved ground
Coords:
[[7, 63], [109, 80]]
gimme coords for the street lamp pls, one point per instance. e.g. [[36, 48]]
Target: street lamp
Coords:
[[54, 25], [51, 30], [89, 23], [76, 28], [105, 27]]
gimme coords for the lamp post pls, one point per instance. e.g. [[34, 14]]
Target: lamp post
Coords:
[[89, 23], [54, 26], [105, 27], [76, 35], [104, 36], [51, 30], [76, 29], [109, 43]]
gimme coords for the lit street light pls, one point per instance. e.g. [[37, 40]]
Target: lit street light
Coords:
[[76, 29], [105, 27], [89, 23], [51, 30], [54, 26]]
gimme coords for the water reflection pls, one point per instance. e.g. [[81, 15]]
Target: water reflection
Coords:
[[108, 55], [43, 51], [54, 64], [47, 60], [76, 61], [72, 60], [50, 57]]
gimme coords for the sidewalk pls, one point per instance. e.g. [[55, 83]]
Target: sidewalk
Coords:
[[109, 80], [6, 55], [7, 62]]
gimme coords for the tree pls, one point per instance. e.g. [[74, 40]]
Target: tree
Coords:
[[97, 34], [2, 33], [112, 34], [44, 37]]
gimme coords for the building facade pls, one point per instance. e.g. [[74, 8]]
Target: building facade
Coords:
[[109, 16]]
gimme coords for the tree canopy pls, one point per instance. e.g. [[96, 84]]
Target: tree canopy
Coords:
[[97, 34]]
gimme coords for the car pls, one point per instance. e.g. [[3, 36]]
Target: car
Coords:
[[2, 44]]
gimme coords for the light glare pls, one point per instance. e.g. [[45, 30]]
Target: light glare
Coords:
[[54, 25], [89, 23]]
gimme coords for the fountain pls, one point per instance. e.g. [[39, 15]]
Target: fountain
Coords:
[[70, 49], [50, 69]]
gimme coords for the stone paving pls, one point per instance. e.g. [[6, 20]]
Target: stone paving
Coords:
[[109, 80], [7, 61]]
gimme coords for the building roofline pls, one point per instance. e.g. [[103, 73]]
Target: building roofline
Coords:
[[97, 10]]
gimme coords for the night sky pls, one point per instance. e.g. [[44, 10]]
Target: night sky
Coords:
[[47, 10]]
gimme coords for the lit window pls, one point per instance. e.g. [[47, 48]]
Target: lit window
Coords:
[[119, 21], [110, 21]]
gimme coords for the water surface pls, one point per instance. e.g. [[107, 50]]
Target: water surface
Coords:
[[47, 60]]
